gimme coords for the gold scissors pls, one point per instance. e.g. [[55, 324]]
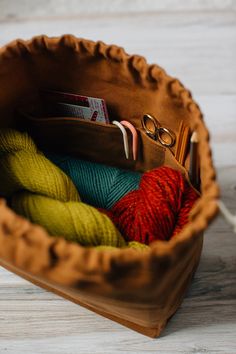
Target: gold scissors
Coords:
[[154, 130]]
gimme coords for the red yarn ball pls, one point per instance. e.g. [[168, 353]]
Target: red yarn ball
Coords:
[[158, 210]]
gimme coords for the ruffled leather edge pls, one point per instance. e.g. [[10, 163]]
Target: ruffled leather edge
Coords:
[[29, 247]]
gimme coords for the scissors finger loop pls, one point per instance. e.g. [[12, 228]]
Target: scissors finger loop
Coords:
[[149, 118], [170, 140]]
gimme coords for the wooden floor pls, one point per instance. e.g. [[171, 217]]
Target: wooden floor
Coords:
[[196, 43]]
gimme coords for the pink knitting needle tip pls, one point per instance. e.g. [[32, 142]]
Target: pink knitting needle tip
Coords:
[[135, 137]]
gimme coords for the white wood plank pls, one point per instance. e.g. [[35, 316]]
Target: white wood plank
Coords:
[[220, 117]]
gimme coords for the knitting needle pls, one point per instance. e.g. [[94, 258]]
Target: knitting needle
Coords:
[[184, 145], [193, 169], [135, 137], [179, 140], [125, 137]]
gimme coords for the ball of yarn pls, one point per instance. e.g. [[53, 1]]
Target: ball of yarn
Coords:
[[22, 166], [158, 210], [41, 192], [98, 185], [75, 221]]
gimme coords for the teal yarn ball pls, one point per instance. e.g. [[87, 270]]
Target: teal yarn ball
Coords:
[[98, 185]]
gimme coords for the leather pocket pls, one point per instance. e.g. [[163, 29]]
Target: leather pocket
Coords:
[[92, 141]]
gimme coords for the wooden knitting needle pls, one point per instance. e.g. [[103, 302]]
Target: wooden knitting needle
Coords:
[[179, 140], [184, 145], [193, 169]]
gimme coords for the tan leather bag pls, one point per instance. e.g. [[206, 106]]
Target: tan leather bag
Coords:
[[139, 290]]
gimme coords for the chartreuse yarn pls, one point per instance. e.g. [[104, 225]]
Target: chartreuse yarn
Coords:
[[23, 167], [40, 191], [76, 221], [98, 185]]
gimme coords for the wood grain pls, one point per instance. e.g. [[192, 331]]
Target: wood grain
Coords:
[[196, 42]]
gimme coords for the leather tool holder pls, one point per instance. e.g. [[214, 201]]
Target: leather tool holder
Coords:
[[140, 290]]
